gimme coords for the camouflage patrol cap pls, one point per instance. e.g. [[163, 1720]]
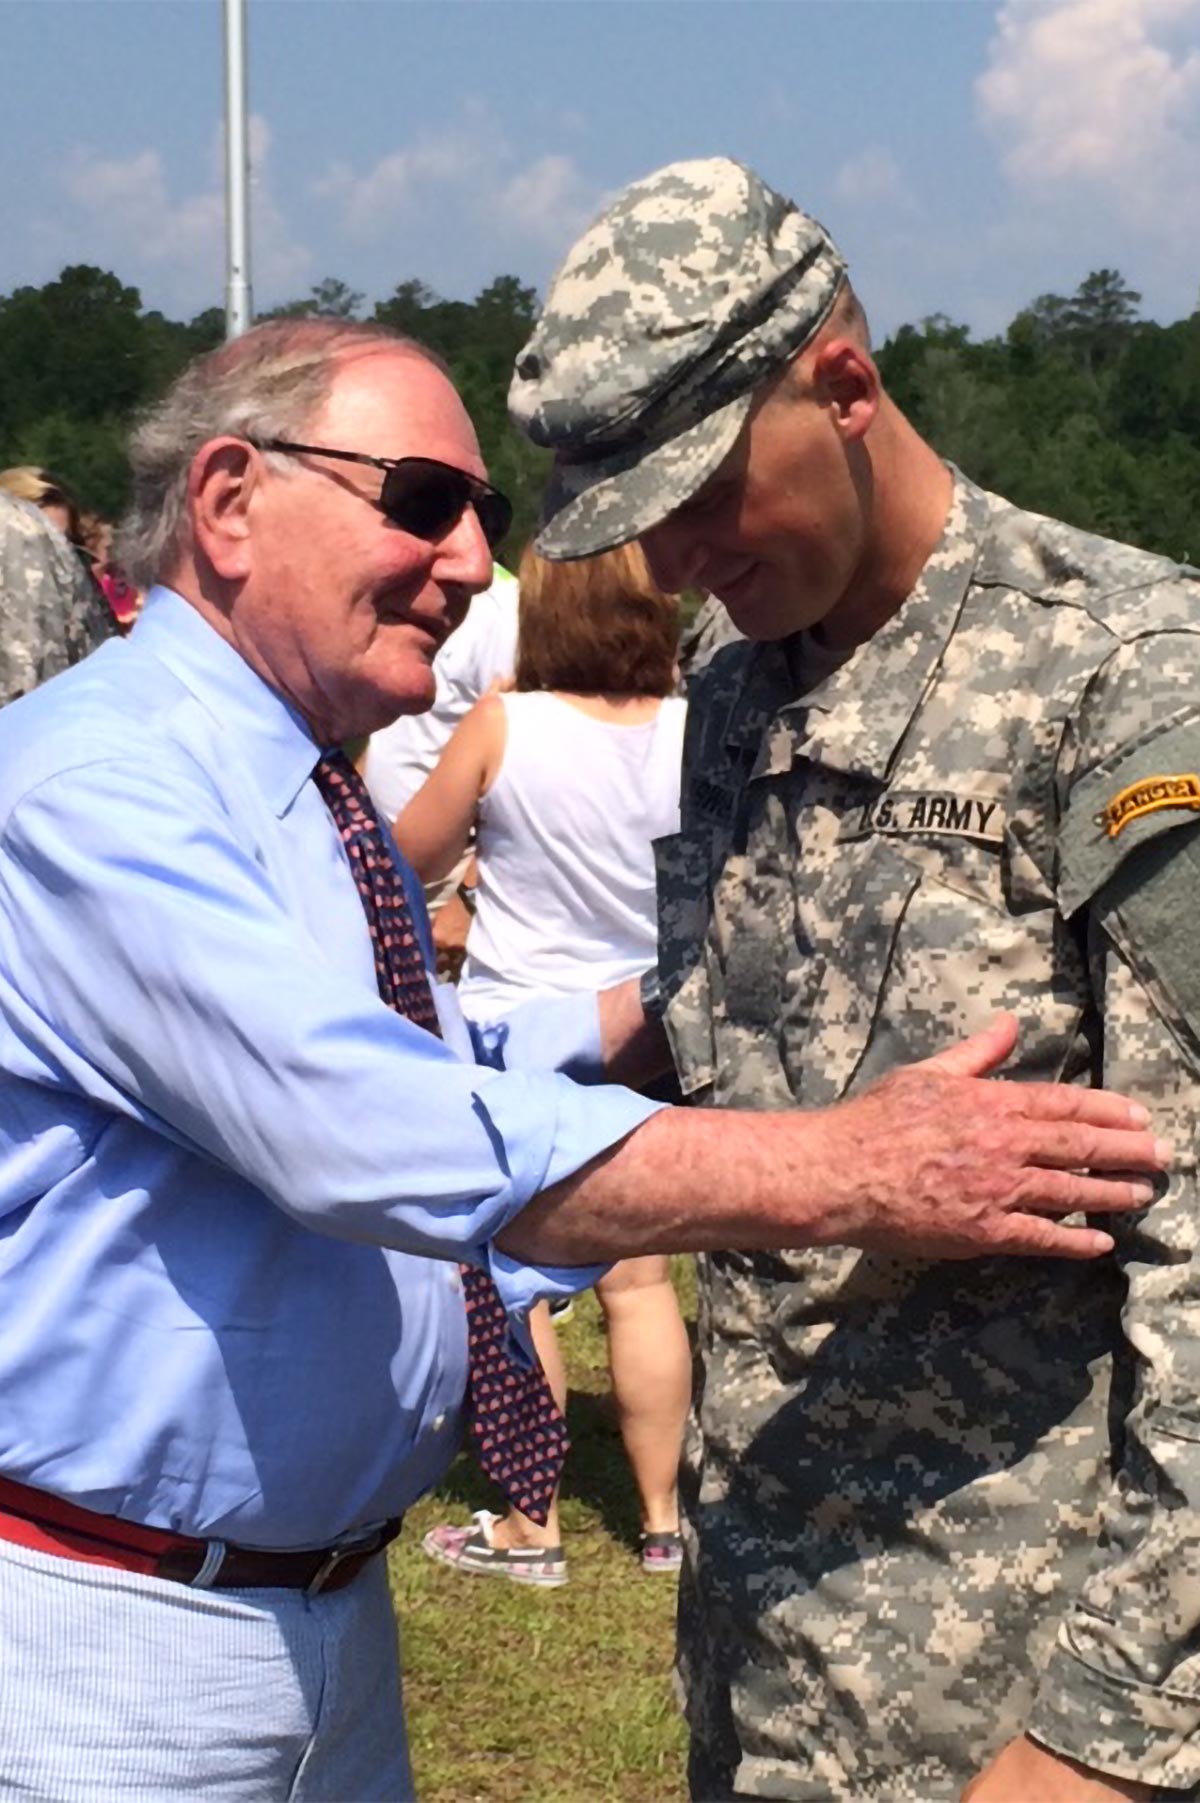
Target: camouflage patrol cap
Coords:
[[693, 289]]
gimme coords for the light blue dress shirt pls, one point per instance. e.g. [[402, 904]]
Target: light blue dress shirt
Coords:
[[233, 1184]]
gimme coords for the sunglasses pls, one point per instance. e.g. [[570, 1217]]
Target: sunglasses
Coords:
[[419, 494]]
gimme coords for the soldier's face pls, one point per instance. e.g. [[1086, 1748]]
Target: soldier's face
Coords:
[[780, 530], [347, 610]]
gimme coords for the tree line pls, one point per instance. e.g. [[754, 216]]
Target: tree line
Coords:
[[1081, 409]]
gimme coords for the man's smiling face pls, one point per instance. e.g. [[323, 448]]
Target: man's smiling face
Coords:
[[781, 528], [345, 611]]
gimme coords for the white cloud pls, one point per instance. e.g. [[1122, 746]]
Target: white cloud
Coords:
[[549, 200], [1099, 95], [127, 199], [466, 171], [126, 215], [870, 178], [402, 179]]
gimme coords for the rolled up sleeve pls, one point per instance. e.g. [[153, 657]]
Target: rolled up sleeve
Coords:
[[152, 964], [559, 1033]]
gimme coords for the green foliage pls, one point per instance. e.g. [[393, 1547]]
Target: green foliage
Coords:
[[328, 299], [79, 356], [88, 455], [1081, 409]]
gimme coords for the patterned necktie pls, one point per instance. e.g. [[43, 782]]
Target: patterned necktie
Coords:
[[520, 1438]]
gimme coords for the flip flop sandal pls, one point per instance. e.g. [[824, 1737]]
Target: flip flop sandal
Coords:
[[470, 1549]]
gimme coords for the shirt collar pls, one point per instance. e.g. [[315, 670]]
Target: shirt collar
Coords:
[[855, 717], [280, 749]]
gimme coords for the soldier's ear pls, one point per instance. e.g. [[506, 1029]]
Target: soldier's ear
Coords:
[[843, 378], [222, 482]]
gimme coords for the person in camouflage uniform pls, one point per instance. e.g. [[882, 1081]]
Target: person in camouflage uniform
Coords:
[[51, 612], [708, 631], [943, 1520]]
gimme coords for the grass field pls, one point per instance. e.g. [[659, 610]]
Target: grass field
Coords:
[[516, 1695]]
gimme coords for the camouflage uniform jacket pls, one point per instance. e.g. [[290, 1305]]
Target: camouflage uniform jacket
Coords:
[[51, 613], [934, 1505], [708, 631]]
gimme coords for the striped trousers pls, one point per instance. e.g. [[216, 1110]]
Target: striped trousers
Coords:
[[116, 1686]]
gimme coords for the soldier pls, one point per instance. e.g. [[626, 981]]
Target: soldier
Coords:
[[51, 613], [706, 633], [943, 1525]]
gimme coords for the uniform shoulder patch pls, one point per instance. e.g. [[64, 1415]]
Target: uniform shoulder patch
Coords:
[[1149, 796], [1151, 787]]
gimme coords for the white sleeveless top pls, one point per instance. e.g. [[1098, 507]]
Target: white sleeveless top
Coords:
[[565, 900]]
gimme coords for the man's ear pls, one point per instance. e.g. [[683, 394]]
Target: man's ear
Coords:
[[844, 378], [222, 481]]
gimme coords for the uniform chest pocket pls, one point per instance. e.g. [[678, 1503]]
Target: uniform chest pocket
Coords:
[[825, 1045], [928, 949]]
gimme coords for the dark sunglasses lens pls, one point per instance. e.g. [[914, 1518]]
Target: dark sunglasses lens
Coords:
[[424, 501], [495, 515], [428, 499]]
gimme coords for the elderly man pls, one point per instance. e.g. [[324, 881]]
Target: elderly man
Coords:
[[243, 1150], [944, 1526]]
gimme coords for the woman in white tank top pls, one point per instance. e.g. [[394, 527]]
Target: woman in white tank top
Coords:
[[565, 895], [567, 781]]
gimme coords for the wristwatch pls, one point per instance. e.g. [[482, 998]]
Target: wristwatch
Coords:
[[654, 1002]]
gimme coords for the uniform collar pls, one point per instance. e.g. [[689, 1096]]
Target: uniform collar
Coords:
[[279, 749], [855, 717]]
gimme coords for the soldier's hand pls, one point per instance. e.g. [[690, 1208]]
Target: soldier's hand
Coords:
[[933, 1162]]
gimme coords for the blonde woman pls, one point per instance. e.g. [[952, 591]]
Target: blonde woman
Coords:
[[26, 482]]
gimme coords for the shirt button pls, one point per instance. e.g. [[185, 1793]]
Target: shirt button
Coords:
[[439, 1422]]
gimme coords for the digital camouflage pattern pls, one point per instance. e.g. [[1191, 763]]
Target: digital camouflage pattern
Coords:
[[708, 631], [696, 285], [930, 1506], [51, 613]]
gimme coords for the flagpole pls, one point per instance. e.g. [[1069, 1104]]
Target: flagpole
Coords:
[[239, 306]]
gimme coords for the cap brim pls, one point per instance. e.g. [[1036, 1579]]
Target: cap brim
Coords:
[[595, 506]]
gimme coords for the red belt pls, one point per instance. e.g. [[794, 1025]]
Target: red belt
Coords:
[[35, 1519]]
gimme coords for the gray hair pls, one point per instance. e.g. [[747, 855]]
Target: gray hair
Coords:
[[267, 384]]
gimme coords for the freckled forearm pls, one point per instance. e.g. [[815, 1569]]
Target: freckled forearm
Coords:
[[688, 1180], [931, 1162]]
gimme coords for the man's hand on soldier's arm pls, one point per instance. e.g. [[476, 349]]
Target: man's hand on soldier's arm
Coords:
[[931, 1162]]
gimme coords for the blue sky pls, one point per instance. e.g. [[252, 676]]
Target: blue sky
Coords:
[[966, 154]]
